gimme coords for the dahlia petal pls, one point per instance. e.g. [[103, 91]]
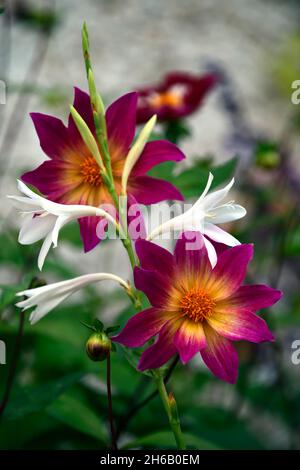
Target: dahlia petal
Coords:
[[89, 231], [162, 350], [154, 285], [189, 339], [220, 356], [230, 270], [149, 190], [121, 120], [52, 133], [239, 325], [191, 254], [154, 258], [141, 327], [254, 297], [82, 104], [50, 178], [154, 153]]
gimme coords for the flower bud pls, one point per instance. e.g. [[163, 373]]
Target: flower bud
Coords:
[[98, 346], [173, 405], [87, 136], [136, 150], [267, 156]]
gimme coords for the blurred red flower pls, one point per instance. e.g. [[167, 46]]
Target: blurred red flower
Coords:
[[178, 95]]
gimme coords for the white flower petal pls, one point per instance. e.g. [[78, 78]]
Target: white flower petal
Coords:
[[44, 250], [219, 235], [226, 213], [60, 222], [45, 298], [52, 217], [25, 204], [27, 191], [203, 195], [215, 197], [177, 223], [44, 308], [211, 252], [35, 228]]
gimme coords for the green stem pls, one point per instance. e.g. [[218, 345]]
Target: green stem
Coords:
[[101, 134], [110, 407], [172, 414], [35, 282]]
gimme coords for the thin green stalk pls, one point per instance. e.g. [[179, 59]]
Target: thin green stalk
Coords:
[[110, 407], [100, 127], [171, 411], [99, 118], [136, 407], [35, 282]]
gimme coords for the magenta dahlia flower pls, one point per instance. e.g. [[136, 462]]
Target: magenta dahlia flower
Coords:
[[178, 95], [196, 308], [72, 175]]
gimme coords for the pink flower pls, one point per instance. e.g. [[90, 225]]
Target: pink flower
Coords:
[[196, 308], [178, 95], [72, 175]]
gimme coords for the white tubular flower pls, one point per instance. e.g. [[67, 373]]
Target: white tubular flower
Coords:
[[43, 219], [46, 298], [136, 150], [203, 217]]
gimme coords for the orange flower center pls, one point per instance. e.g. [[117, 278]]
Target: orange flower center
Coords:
[[197, 305], [168, 98], [90, 172]]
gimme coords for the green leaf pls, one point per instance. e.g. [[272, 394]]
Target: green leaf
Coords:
[[192, 181], [222, 427], [133, 357], [8, 295], [27, 428], [78, 415], [292, 246], [112, 329], [165, 439], [98, 325], [33, 399]]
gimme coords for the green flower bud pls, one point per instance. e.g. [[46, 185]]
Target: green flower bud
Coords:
[[267, 156], [173, 405], [98, 346], [87, 137]]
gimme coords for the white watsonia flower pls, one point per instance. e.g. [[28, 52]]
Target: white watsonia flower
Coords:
[[43, 219], [203, 217], [46, 298]]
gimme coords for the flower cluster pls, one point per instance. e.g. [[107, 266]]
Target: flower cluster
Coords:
[[198, 301]]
